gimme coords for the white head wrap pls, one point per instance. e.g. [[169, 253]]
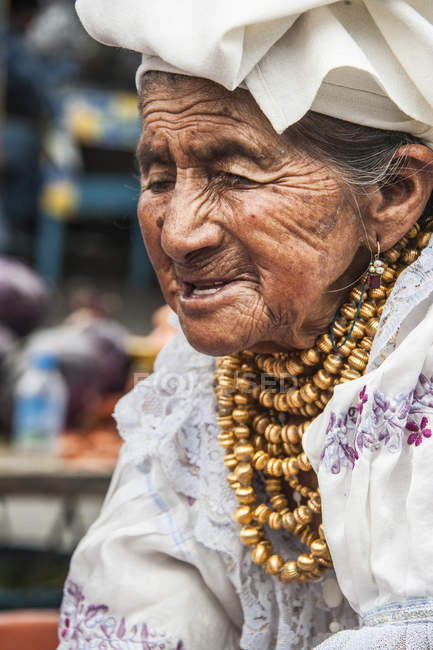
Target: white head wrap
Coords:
[[365, 61]]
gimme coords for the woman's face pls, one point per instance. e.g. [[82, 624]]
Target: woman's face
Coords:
[[247, 233]]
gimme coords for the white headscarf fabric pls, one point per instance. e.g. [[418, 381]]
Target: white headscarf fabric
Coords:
[[365, 61]]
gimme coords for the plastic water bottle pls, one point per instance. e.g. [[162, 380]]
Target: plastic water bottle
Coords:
[[40, 405]]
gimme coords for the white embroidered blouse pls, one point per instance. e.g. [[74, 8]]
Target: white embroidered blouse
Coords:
[[163, 566]]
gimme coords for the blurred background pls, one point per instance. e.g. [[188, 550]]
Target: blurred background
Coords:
[[80, 315]]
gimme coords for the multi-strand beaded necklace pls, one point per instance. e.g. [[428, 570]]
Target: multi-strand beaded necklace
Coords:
[[266, 402]]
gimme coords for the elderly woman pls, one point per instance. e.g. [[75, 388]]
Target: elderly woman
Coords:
[[287, 169]]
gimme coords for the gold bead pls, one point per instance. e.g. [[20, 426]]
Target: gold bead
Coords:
[[372, 326], [261, 513], [358, 359], [290, 466], [225, 400], [241, 431], [280, 402], [279, 502], [315, 503], [241, 415], [388, 274], [409, 255], [413, 232], [324, 343], [288, 520], [392, 255], [225, 422], [266, 398], [274, 521], [230, 461], [260, 460], [298, 529], [244, 473], [228, 383], [321, 531], [423, 239], [379, 307], [260, 423], [310, 357], [347, 348], [294, 366], [349, 312], [250, 535], [261, 552], [273, 433], [241, 400], [226, 439], [303, 462], [244, 451], [355, 294], [243, 515], [232, 481], [323, 379], [294, 398], [310, 410], [243, 385], [306, 562], [273, 485], [259, 443], [303, 515], [274, 450], [309, 392], [289, 433], [367, 310], [274, 564], [332, 363], [307, 536], [289, 572], [377, 294], [245, 495], [319, 548], [348, 374], [274, 467], [366, 343]]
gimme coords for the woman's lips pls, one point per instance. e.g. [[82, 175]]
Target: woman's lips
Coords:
[[194, 291], [207, 295]]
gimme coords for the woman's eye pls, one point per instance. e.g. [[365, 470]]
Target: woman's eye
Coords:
[[157, 187], [235, 180]]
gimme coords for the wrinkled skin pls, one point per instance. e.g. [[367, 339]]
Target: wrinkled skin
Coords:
[[226, 199]]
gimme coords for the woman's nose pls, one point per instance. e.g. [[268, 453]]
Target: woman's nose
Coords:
[[190, 224]]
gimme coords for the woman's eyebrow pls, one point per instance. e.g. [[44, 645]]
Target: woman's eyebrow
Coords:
[[229, 149], [207, 153]]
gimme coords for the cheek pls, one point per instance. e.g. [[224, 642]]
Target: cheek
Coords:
[[151, 219]]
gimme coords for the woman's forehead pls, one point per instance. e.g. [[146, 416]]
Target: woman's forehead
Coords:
[[214, 122]]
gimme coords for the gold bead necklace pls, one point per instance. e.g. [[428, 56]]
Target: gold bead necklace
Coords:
[[260, 440]]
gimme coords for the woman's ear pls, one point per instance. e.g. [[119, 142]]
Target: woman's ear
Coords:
[[392, 209]]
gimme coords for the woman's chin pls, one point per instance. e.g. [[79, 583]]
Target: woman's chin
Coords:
[[214, 340]]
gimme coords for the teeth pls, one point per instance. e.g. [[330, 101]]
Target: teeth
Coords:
[[204, 292]]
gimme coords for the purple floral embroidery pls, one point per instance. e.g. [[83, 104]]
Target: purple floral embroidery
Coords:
[[384, 423], [363, 398], [87, 626], [418, 432], [337, 452], [377, 421]]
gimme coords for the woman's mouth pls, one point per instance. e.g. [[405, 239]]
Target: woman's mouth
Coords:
[[204, 288], [201, 296]]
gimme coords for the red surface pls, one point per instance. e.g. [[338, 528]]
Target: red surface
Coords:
[[29, 630]]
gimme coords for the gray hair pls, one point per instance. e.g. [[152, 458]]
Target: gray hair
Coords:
[[364, 156]]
